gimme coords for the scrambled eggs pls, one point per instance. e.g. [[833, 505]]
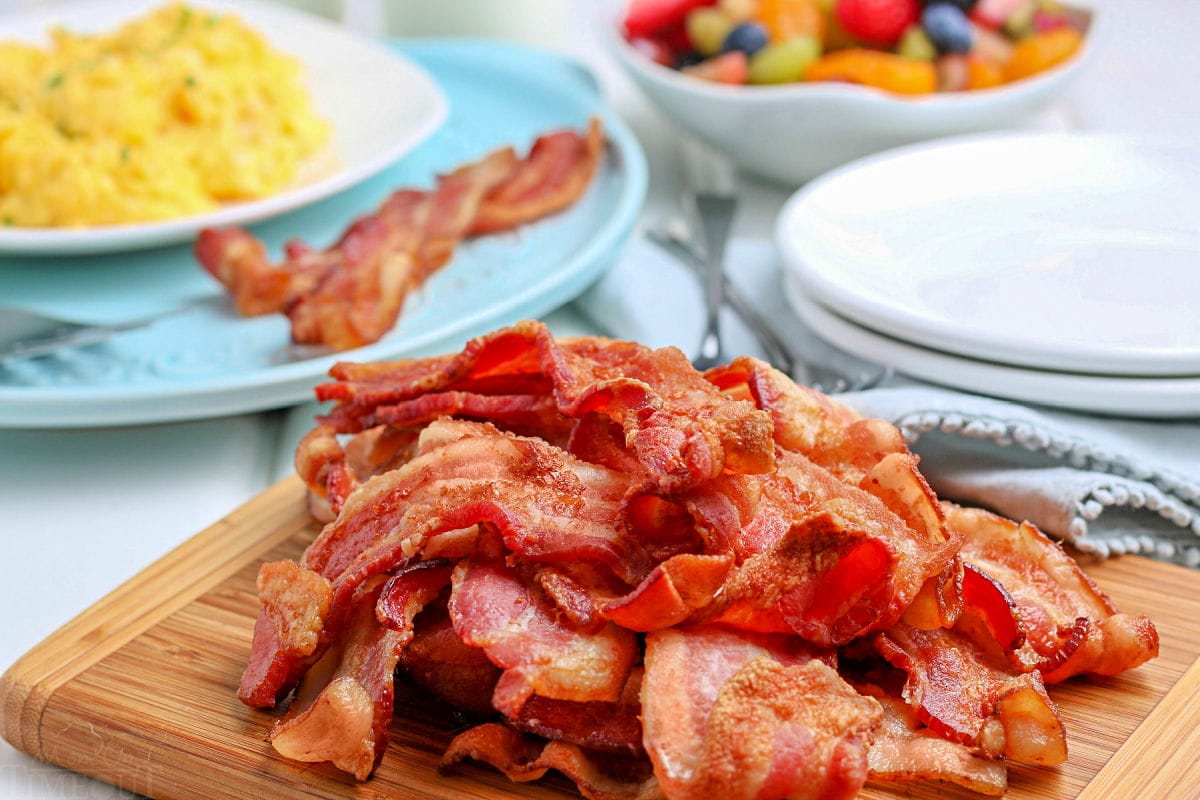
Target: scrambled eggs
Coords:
[[169, 115]]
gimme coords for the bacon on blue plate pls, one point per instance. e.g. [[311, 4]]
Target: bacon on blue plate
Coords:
[[351, 293]]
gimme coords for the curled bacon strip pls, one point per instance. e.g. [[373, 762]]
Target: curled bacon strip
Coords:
[[494, 609], [288, 632], [905, 751], [523, 758], [1071, 626], [343, 707], [961, 695], [351, 293]]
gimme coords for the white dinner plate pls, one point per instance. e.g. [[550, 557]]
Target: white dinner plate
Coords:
[[379, 103], [1161, 398], [1055, 251]]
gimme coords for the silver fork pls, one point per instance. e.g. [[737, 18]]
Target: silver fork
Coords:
[[836, 372], [672, 236], [711, 198]]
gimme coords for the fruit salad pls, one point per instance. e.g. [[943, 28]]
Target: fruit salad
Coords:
[[908, 47]]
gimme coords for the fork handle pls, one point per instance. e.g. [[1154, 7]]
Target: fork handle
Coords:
[[715, 216], [778, 354]]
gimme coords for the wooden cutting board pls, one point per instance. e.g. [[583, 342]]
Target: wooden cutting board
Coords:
[[140, 691]]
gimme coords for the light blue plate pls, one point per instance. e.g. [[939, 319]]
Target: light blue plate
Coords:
[[211, 362]]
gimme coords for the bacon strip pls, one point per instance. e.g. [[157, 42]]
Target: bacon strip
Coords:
[[288, 632], [671, 593], [494, 609], [965, 698], [816, 557], [679, 428], [730, 714], [905, 751], [321, 463], [1072, 626], [547, 506], [556, 172], [351, 293], [343, 707], [523, 758], [868, 453]]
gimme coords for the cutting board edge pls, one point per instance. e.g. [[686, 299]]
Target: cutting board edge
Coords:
[[155, 592]]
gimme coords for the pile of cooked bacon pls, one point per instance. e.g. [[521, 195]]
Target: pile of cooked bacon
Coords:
[[351, 293], [661, 583]]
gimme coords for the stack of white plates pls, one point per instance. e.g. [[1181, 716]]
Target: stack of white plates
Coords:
[[1059, 269]]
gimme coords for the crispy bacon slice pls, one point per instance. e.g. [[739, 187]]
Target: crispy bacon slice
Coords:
[[678, 426], [733, 714], [824, 580], [805, 421], [343, 708], [671, 593], [409, 590], [559, 167], [493, 608], [1072, 626], [240, 263], [321, 463], [816, 556], [351, 293], [288, 632], [547, 506], [599, 776], [964, 697], [905, 751], [868, 453]]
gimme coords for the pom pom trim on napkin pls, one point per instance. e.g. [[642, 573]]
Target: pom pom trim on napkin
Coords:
[[1103, 501]]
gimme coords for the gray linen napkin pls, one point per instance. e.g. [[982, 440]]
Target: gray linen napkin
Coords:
[[1108, 486]]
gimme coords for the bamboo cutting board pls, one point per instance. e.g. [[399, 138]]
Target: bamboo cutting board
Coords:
[[140, 691]]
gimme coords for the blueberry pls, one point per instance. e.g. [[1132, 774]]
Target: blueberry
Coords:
[[749, 37], [688, 59], [947, 27]]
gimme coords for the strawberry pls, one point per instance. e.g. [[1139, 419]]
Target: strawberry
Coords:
[[647, 18], [877, 22]]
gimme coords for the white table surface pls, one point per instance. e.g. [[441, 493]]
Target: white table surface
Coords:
[[83, 510]]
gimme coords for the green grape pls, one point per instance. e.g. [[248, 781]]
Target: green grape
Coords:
[[785, 62], [915, 44], [707, 27]]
